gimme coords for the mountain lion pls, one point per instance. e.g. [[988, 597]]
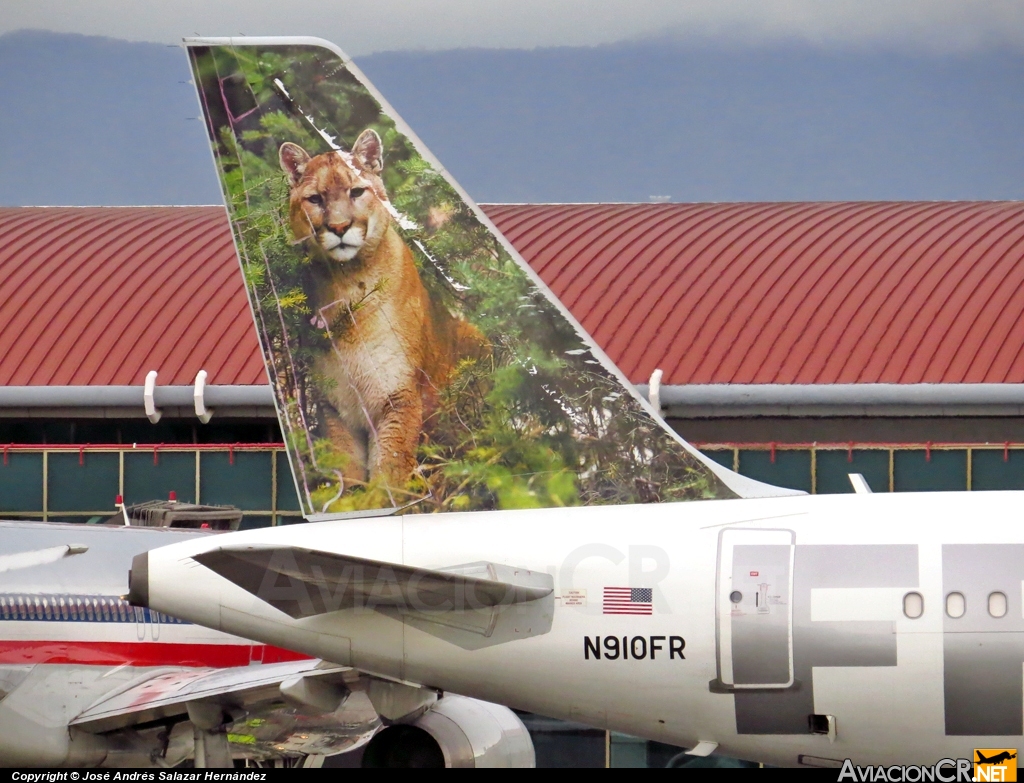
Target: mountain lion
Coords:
[[393, 347]]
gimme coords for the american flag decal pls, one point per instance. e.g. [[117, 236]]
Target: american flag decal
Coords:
[[628, 600]]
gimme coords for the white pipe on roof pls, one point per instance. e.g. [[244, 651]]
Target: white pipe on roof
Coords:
[[148, 398], [654, 391], [198, 398]]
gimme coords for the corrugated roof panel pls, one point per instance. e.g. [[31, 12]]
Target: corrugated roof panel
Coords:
[[860, 292], [100, 296], [918, 292]]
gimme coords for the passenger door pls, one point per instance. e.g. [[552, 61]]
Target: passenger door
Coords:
[[755, 608]]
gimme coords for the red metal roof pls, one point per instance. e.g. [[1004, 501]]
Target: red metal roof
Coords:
[[849, 292], [101, 296], [711, 293]]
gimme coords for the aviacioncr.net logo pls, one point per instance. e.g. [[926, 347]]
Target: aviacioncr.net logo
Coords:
[[995, 764], [944, 771]]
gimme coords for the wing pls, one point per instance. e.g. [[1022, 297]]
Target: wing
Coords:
[[418, 363], [167, 694], [264, 711]]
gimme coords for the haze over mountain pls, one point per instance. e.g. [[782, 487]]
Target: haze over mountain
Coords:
[[89, 120]]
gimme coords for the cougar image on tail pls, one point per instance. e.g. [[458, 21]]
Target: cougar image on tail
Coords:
[[393, 346]]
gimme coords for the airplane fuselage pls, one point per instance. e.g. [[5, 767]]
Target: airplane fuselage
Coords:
[[890, 624]]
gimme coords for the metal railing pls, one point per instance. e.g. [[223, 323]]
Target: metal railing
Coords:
[[80, 482], [198, 473], [964, 472]]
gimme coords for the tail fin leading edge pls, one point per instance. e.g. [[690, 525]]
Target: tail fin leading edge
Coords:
[[417, 361]]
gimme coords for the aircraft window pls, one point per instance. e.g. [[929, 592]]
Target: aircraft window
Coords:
[[997, 604], [47, 610], [955, 605], [5, 609], [913, 605], [22, 614], [735, 596]]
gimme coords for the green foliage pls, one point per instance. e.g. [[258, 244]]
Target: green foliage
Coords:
[[537, 423]]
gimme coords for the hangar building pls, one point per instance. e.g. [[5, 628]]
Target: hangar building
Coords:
[[799, 342]]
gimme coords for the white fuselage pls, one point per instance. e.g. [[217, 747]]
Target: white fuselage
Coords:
[[763, 613]]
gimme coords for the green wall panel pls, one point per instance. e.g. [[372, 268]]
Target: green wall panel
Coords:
[[21, 482], [721, 456], [287, 500], [833, 469], [946, 471], [145, 481], [989, 471], [250, 521], [791, 468], [91, 486], [245, 484]]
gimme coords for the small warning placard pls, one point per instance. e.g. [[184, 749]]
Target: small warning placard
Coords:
[[574, 598]]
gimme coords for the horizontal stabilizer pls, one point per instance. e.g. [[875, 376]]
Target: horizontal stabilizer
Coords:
[[304, 582]]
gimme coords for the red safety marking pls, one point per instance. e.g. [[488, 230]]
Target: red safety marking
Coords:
[[166, 446], [220, 656], [231, 455], [81, 456], [156, 456], [773, 452], [1006, 453], [849, 452], [928, 451], [5, 454]]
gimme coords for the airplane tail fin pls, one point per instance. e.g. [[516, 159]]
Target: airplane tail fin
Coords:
[[417, 361]]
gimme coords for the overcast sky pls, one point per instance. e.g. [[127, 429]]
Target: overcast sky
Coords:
[[364, 26]]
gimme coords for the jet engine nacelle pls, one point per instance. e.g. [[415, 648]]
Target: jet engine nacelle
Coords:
[[455, 732]]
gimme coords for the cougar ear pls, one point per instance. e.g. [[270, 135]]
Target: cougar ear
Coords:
[[369, 151], [293, 161]]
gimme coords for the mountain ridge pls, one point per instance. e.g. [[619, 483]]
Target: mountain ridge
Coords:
[[93, 120]]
